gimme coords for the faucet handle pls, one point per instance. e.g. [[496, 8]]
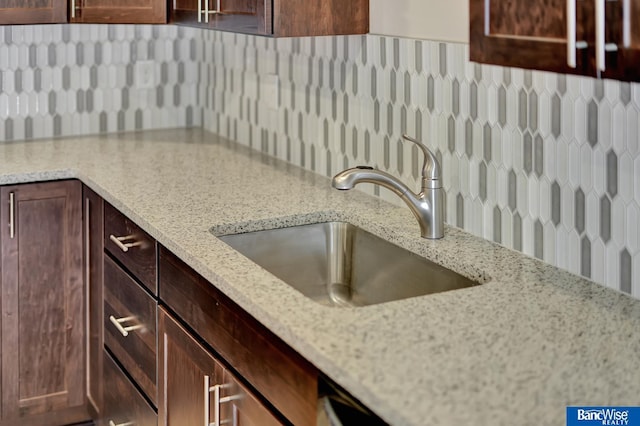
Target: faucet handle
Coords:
[[431, 171]]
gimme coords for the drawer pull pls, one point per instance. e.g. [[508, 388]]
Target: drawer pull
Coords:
[[112, 423], [124, 330], [120, 242], [12, 219], [217, 401]]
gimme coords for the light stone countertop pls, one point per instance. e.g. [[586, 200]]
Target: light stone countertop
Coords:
[[516, 350]]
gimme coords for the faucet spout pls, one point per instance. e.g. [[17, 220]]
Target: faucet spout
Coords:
[[427, 206]]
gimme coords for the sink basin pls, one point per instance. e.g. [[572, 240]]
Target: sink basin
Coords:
[[339, 264]]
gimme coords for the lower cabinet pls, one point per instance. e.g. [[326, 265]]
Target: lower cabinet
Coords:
[[123, 404], [196, 389], [42, 328]]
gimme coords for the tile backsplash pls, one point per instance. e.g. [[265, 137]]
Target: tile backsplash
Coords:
[[543, 163]]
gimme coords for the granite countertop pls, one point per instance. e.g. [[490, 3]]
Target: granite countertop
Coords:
[[516, 350]]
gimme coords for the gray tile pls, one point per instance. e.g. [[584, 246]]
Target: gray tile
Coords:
[[522, 109], [374, 82], [416, 162], [468, 138], [533, 111], [400, 156], [473, 100], [612, 174], [393, 85], [307, 100], [345, 107], [343, 140], [383, 51], [418, 55], [556, 116], [459, 211], [580, 212], [390, 123], [51, 55], [555, 203], [376, 116], [605, 218], [164, 73], [486, 143], [431, 94], [502, 106], [497, 225], [312, 159], [354, 142], [57, 125], [562, 83], [189, 116], [528, 79], [443, 59], [104, 122], [598, 89], [66, 78], [129, 75], [33, 56], [28, 128], [625, 271], [325, 133], [455, 97], [52, 101], [329, 171], [477, 72], [407, 88], [181, 73], [592, 123], [585, 257], [88, 94], [396, 53], [538, 240], [418, 120], [506, 76], [451, 134], [8, 129], [17, 81], [403, 119], [625, 93], [367, 147], [354, 82], [527, 153], [125, 99], [513, 191], [121, 121], [139, 120], [538, 153], [80, 54], [37, 80], [159, 96], [482, 181], [517, 232], [80, 98], [318, 98], [93, 77], [386, 153]]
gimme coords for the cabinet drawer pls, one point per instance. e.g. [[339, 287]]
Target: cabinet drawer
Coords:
[[280, 374], [130, 326], [133, 247], [123, 404]]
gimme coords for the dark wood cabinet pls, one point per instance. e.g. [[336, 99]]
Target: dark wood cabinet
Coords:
[[118, 11], [196, 389], [33, 12], [548, 35], [42, 323], [93, 249], [277, 372], [279, 18]]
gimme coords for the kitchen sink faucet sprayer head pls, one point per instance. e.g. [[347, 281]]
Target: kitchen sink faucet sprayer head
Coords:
[[427, 206]]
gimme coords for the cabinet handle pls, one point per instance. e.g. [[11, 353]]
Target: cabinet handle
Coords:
[[112, 423], [206, 11], [74, 7], [12, 218], [572, 43], [600, 41], [120, 242], [117, 322], [626, 23], [217, 400]]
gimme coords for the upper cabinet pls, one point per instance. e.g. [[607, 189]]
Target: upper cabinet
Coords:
[[33, 11], [570, 36], [88, 11], [279, 18], [118, 11]]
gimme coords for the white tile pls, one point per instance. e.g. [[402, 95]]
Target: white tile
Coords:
[[507, 227], [632, 133], [612, 274], [574, 164], [533, 195], [632, 219], [580, 120], [522, 191], [527, 236], [599, 171], [464, 176], [598, 261], [618, 228], [567, 203], [568, 112], [618, 127], [573, 252], [562, 159], [592, 215], [549, 244], [544, 209], [586, 167], [625, 177]]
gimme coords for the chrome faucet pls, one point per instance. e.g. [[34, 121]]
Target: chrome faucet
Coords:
[[427, 206]]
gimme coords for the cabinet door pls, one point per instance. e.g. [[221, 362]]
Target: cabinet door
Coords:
[[42, 337], [186, 374], [93, 246], [622, 29], [245, 16], [33, 11], [120, 11], [530, 34], [239, 407]]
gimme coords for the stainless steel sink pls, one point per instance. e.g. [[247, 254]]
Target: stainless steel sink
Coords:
[[339, 264]]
